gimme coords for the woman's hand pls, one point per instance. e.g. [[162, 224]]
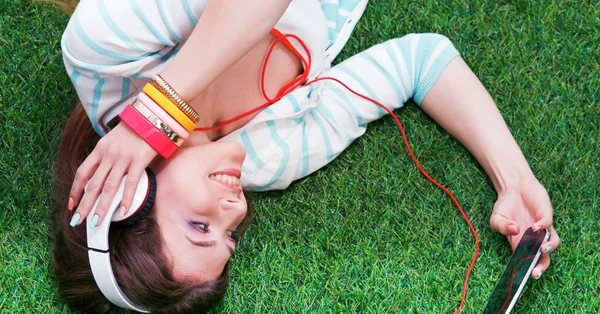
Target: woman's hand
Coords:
[[118, 153], [525, 205]]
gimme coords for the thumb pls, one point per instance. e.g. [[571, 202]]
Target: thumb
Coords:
[[503, 225]]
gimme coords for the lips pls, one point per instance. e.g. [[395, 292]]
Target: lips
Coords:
[[228, 177], [230, 172]]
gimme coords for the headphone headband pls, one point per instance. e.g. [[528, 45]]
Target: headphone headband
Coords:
[[97, 238]]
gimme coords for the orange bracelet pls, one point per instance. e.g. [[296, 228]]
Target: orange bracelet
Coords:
[[169, 107]]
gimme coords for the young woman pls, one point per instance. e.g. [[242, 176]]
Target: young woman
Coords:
[[211, 54]]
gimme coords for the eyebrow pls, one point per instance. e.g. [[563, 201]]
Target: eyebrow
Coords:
[[208, 244]]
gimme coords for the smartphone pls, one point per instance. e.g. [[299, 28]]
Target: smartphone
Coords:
[[513, 279]]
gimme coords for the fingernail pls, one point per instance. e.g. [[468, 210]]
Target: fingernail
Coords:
[[75, 220], [540, 275], [94, 221], [123, 211], [548, 248], [71, 203]]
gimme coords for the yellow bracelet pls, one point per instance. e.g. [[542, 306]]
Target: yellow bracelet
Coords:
[[169, 107], [159, 124]]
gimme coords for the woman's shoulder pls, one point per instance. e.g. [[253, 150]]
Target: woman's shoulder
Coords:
[[117, 31]]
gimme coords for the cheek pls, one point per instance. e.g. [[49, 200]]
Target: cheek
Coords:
[[181, 192], [199, 198], [201, 205], [183, 181]]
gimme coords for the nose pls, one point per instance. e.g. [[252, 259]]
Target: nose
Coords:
[[235, 206]]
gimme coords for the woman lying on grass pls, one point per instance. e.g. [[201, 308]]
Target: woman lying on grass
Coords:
[[211, 54]]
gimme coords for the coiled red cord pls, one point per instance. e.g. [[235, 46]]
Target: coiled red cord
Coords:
[[298, 82]]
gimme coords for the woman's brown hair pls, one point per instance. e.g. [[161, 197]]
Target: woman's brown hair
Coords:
[[142, 270], [140, 267]]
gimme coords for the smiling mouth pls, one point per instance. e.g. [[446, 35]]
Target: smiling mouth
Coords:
[[229, 178]]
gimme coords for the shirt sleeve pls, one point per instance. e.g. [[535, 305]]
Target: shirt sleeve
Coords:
[[111, 48], [313, 125]]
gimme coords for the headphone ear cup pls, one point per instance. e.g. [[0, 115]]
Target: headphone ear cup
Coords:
[[146, 207]]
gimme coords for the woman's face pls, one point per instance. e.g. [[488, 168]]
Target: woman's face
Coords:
[[199, 205]]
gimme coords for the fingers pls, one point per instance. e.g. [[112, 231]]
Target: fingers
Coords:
[[131, 183], [110, 188], [84, 173], [541, 266], [544, 209], [503, 225], [551, 244], [546, 248], [114, 156], [94, 187], [544, 223]]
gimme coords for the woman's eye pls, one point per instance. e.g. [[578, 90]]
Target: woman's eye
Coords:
[[233, 235], [202, 226]]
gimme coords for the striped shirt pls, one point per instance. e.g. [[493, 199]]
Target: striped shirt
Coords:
[[314, 124], [308, 128], [112, 47]]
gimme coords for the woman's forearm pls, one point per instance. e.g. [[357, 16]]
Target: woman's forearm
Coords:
[[462, 106], [225, 32]]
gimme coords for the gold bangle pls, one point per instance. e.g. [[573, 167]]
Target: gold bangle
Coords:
[[184, 106], [168, 91], [169, 107], [175, 102], [165, 129]]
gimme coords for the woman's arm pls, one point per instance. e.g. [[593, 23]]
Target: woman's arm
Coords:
[[225, 32], [461, 105]]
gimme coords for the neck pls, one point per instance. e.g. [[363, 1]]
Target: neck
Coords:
[[237, 90], [198, 138], [212, 111], [209, 114]]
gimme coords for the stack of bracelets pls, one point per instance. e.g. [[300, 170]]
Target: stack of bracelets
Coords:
[[160, 116]]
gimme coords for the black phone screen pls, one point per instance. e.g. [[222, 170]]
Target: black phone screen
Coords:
[[517, 272]]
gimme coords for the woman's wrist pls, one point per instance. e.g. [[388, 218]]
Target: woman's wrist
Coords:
[[507, 168]]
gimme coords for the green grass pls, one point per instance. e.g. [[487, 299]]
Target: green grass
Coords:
[[368, 233]]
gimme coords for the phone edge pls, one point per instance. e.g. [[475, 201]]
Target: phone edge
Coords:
[[533, 264]]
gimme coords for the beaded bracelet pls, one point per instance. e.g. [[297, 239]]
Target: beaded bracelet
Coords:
[[151, 135], [169, 107], [160, 125], [168, 91], [162, 115]]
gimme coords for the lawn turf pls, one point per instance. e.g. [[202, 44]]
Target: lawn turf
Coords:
[[367, 234]]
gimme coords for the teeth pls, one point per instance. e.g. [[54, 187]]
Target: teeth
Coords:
[[231, 180]]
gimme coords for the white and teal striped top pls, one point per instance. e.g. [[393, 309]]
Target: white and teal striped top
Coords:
[[112, 47], [109, 64]]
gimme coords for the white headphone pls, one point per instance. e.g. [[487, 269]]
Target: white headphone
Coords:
[[97, 238]]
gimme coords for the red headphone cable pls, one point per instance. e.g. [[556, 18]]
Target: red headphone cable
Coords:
[[298, 82]]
